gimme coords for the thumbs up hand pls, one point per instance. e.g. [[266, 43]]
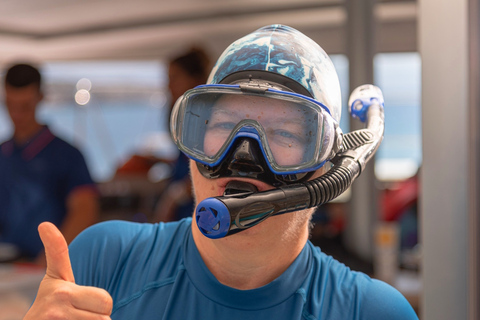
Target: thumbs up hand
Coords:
[[58, 296]]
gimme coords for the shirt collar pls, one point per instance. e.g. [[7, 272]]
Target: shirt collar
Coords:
[[30, 149], [267, 296]]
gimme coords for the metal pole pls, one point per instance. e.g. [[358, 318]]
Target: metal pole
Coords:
[[362, 210]]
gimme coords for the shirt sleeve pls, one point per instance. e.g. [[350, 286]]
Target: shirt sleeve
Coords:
[[382, 301]]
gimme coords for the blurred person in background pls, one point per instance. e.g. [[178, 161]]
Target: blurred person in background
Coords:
[[42, 178], [185, 72]]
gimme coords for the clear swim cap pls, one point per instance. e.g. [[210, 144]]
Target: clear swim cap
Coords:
[[282, 50]]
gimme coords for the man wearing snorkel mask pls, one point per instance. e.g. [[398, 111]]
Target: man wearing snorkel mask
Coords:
[[263, 128]]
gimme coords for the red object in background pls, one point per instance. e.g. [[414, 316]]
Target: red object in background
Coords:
[[396, 200]]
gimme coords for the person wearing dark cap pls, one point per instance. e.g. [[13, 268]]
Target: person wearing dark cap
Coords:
[[42, 178]]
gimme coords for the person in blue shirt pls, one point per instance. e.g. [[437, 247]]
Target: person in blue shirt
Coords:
[[265, 148], [42, 178]]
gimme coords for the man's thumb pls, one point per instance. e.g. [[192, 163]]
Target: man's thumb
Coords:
[[56, 252]]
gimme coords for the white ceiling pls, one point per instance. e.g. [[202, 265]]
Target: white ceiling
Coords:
[[42, 30]]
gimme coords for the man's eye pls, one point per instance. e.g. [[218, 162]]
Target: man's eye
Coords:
[[285, 137], [286, 134]]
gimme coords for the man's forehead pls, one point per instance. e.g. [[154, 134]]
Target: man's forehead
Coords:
[[263, 114], [239, 102]]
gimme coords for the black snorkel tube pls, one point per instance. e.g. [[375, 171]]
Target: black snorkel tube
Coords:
[[231, 213]]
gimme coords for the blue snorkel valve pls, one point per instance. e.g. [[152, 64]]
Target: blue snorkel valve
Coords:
[[362, 98], [245, 207]]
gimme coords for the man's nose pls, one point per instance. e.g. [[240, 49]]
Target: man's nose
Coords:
[[245, 158]]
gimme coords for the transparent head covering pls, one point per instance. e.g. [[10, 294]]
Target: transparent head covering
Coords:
[[282, 50]]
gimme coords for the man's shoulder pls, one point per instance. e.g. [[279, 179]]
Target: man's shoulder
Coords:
[[60, 143], [103, 253], [64, 154], [382, 301], [126, 234], [352, 292], [6, 147]]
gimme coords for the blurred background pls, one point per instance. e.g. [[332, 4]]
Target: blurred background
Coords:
[[105, 70]]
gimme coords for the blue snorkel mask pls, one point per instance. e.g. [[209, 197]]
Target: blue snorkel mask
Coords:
[[253, 129], [270, 112]]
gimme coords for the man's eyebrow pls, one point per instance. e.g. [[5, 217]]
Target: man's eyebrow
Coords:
[[221, 110]]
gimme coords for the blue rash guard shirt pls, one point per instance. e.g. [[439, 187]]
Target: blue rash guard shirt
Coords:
[[154, 271], [35, 181]]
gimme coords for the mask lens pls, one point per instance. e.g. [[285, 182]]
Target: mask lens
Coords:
[[281, 125], [287, 128]]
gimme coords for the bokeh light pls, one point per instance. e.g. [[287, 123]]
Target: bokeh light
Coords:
[[82, 97]]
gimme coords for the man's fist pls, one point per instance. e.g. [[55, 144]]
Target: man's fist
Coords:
[[58, 296]]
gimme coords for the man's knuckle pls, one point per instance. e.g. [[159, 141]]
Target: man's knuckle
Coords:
[[63, 293], [106, 302], [55, 314]]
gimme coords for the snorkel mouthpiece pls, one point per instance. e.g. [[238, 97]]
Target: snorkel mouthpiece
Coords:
[[242, 206], [246, 207], [213, 216]]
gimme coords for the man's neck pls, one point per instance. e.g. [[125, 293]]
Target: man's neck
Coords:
[[26, 134], [254, 258]]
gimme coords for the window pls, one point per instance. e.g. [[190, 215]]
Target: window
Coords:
[[399, 77]]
